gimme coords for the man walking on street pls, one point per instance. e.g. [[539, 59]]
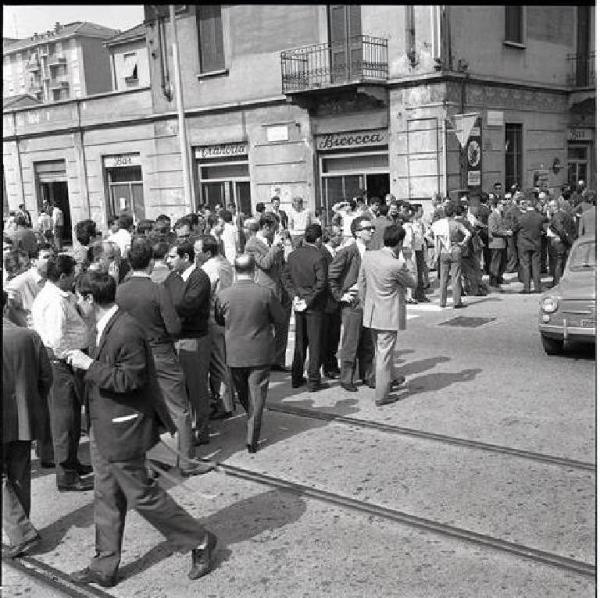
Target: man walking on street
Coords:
[[249, 311], [382, 284], [125, 410], [305, 280]]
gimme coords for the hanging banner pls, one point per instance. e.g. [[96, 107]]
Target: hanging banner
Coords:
[[474, 154]]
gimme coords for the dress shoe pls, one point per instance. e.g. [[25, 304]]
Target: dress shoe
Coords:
[[12, 552], [87, 575], [221, 414], [386, 401], [349, 387], [398, 381], [47, 465], [83, 469], [443, 305], [196, 468], [252, 448], [202, 557], [280, 368], [460, 305], [332, 375], [319, 386], [200, 440], [298, 384], [78, 485], [424, 300]]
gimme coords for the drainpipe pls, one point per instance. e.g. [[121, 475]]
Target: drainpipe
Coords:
[[444, 152], [183, 144]]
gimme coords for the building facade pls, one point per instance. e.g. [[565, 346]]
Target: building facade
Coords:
[[129, 59], [322, 102], [67, 62]]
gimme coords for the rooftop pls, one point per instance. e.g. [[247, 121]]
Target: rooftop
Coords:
[[135, 33]]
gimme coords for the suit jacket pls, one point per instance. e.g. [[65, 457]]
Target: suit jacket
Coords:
[[530, 227], [269, 264], [331, 305], [305, 276], [191, 298], [126, 405], [248, 312], [382, 283], [26, 382], [497, 231], [343, 270]]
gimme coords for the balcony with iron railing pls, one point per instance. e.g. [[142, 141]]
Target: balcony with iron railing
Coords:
[[360, 59], [56, 60], [581, 73]]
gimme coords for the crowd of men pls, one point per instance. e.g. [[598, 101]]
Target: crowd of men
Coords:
[[178, 322]]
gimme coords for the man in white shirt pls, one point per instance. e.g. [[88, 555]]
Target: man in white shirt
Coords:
[[58, 225], [299, 219], [229, 236], [123, 237], [57, 319]]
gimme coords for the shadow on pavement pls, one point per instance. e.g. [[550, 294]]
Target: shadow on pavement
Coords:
[[417, 367], [433, 382], [53, 534]]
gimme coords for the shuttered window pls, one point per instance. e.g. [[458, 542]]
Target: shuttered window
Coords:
[[513, 24], [210, 37]]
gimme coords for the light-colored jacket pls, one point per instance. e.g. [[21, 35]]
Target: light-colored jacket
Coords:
[[382, 283], [496, 226]]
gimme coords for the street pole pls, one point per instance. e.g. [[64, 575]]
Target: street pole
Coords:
[[183, 145]]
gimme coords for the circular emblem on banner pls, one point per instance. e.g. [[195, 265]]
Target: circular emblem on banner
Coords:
[[473, 153]]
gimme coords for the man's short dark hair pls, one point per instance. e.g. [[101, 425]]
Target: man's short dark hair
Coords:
[[193, 218], [125, 221], [112, 220], [312, 233], [20, 220], [144, 226], [183, 221], [210, 244], [42, 247], [159, 250], [226, 215], [269, 219], [355, 224], [184, 247], [60, 264], [140, 253], [84, 231], [383, 209], [275, 198], [374, 200], [393, 235], [450, 209], [163, 218], [100, 285], [260, 207]]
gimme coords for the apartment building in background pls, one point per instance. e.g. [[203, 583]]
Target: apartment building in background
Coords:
[[129, 65], [66, 62], [320, 101]]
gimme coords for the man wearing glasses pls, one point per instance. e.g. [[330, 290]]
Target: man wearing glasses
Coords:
[[356, 342]]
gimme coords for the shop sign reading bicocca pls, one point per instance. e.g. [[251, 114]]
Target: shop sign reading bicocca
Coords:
[[351, 139], [221, 150]]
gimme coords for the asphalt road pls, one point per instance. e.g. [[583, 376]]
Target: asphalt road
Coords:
[[490, 437]]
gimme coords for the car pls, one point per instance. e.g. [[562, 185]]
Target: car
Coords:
[[568, 310]]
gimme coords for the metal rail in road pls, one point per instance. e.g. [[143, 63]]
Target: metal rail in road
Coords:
[[473, 444]]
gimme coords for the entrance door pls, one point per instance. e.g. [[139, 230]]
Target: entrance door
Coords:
[[242, 197], [378, 185], [57, 194], [345, 42]]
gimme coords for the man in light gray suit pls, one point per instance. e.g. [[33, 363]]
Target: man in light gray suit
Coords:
[[382, 283]]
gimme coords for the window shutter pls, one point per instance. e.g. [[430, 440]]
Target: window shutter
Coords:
[[514, 24], [210, 33]]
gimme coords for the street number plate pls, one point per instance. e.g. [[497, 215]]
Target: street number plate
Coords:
[[588, 324]]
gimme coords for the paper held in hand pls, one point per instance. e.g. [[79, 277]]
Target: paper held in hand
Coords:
[[299, 304]]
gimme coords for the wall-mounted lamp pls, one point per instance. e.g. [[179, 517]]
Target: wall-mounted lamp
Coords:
[[556, 166]]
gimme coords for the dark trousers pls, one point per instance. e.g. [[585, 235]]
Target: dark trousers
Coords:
[[558, 259], [487, 259], [512, 255], [219, 375], [544, 254], [65, 420], [356, 344], [422, 275], [450, 265], [119, 486], [471, 272], [252, 385], [530, 268], [282, 330], [171, 382], [497, 265], [16, 491], [330, 339], [308, 334]]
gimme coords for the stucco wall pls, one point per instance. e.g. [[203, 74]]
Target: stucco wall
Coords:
[[96, 62], [120, 71]]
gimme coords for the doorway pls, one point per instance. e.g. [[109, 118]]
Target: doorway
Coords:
[[56, 193], [345, 42]]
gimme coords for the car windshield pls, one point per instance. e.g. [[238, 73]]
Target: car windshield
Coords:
[[583, 257]]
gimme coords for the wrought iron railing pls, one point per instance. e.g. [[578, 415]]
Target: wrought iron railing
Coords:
[[582, 70], [360, 58]]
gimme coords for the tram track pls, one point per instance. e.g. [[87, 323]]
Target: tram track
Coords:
[[415, 433]]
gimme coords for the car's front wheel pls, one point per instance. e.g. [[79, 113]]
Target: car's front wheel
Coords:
[[552, 346]]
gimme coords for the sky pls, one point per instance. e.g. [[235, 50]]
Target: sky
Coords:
[[42, 17]]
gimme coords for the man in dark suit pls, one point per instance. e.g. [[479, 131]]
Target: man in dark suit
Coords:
[[189, 288], [529, 229], [380, 222], [26, 382], [305, 280], [561, 232], [126, 408], [249, 311], [356, 342]]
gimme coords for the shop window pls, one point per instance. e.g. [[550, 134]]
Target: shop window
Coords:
[[225, 183], [514, 155], [577, 163], [210, 37], [125, 187], [513, 24]]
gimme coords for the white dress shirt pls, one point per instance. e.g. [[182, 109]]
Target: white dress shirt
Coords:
[[229, 238], [123, 239], [103, 321], [187, 272], [25, 287]]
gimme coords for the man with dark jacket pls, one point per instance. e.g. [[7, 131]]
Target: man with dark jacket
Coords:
[[249, 311], [511, 216], [356, 342], [380, 222], [126, 408], [530, 228], [305, 280], [26, 382], [189, 288], [561, 233]]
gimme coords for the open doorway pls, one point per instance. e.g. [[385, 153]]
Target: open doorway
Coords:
[[378, 185], [56, 193]]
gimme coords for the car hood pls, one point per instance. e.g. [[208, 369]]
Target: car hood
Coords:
[[577, 285]]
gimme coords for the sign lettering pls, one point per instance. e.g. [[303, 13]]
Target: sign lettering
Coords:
[[221, 150], [122, 160], [332, 141], [580, 134]]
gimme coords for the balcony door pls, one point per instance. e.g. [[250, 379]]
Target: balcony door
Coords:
[[584, 60], [345, 42]]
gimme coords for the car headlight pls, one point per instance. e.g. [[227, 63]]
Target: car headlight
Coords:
[[550, 304]]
